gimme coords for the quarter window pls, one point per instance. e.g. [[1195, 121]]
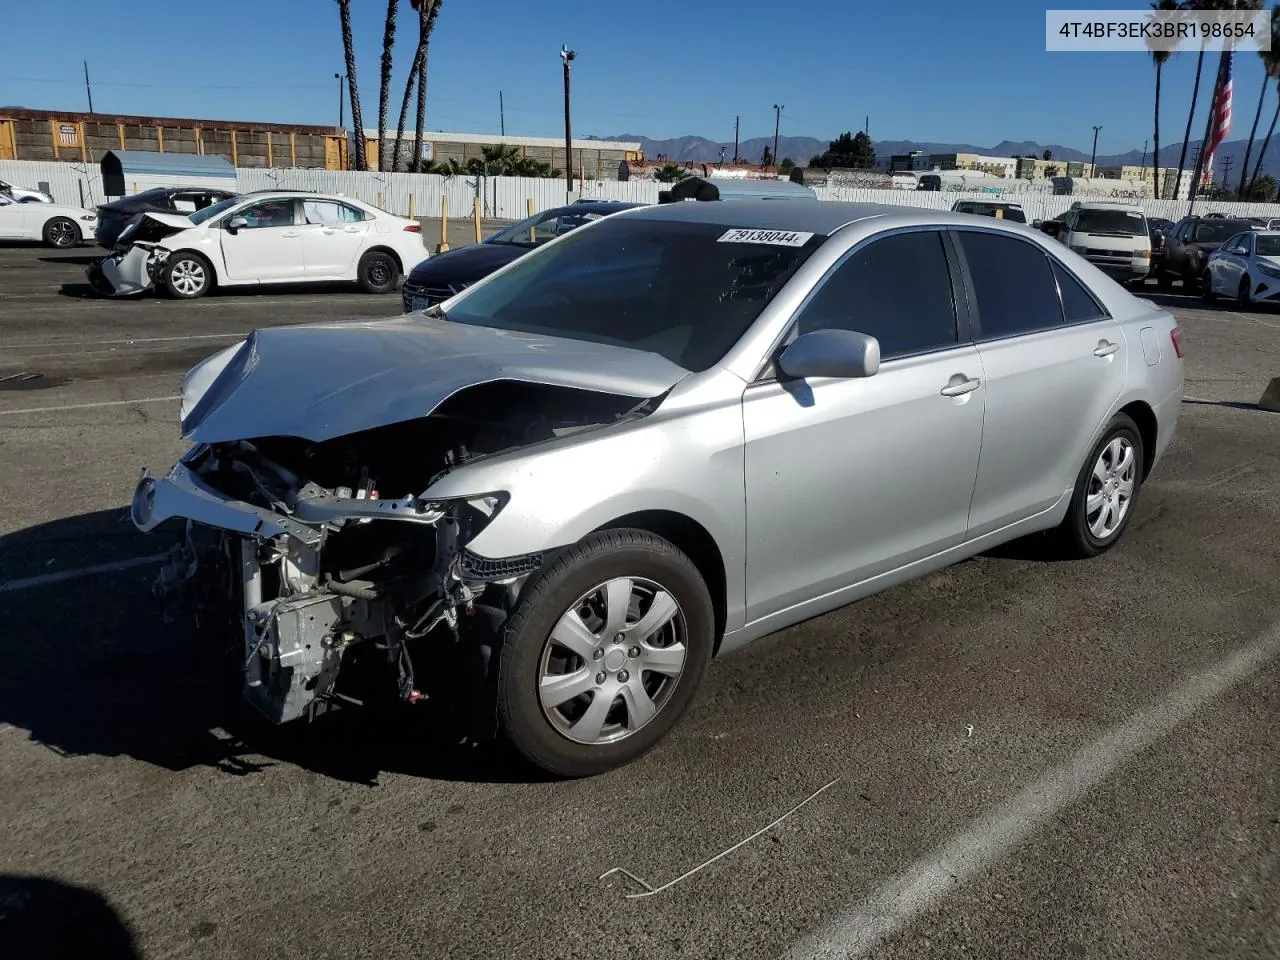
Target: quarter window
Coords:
[[896, 289], [1077, 302], [1012, 283]]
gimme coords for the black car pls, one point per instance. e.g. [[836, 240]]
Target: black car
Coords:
[[114, 216], [440, 277], [1187, 247]]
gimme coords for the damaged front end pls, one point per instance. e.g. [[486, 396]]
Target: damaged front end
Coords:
[[137, 262], [328, 568]]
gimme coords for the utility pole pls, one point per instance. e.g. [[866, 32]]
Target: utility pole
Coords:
[[341, 80], [502, 116], [1093, 170], [566, 57], [737, 128], [866, 126], [1142, 171], [777, 123], [88, 89], [1226, 172]]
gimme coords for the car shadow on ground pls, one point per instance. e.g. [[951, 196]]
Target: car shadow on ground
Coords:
[[41, 917], [79, 261], [83, 290], [96, 665]]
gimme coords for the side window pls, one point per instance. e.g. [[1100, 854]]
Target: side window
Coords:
[[896, 289], [1013, 285], [1077, 302], [269, 213], [324, 213]]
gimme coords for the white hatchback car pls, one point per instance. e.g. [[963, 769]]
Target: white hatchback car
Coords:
[[261, 238], [1247, 267], [52, 223]]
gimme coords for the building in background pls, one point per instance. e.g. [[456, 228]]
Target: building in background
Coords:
[[996, 166], [1169, 179], [86, 137], [593, 159], [910, 162]]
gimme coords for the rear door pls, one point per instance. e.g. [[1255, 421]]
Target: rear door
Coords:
[[1054, 362], [333, 237], [269, 248]]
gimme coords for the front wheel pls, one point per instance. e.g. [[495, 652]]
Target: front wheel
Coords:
[[604, 653], [377, 272], [61, 233], [187, 276], [1105, 492]]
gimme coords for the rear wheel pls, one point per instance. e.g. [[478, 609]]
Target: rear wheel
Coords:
[[377, 272], [1105, 493], [604, 653], [187, 276], [61, 232]]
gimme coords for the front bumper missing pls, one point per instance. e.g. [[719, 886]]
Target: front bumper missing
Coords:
[[127, 272]]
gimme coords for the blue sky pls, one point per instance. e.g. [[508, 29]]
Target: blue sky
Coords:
[[928, 71]]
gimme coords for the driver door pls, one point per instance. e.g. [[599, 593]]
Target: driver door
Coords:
[[269, 248], [847, 479]]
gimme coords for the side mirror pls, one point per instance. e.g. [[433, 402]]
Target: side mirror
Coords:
[[236, 223], [831, 353]]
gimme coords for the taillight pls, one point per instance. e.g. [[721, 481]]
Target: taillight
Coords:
[[413, 228], [1176, 336]]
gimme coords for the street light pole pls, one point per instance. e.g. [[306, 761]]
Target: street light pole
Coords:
[[777, 122], [566, 57], [1093, 170]]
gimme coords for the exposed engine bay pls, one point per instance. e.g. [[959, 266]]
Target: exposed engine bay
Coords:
[[325, 567]]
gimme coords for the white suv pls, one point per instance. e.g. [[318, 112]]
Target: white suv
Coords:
[[1112, 236]]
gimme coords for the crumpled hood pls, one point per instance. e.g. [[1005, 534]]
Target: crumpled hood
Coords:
[[321, 381]]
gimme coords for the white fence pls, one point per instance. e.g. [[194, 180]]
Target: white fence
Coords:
[[508, 198]]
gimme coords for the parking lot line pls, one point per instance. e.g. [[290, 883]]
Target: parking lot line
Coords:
[[45, 579], [88, 406], [856, 931]]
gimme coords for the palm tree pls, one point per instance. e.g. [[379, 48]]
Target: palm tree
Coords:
[[353, 87], [1190, 5], [428, 10], [670, 173], [384, 89], [1271, 64], [404, 110], [1159, 58]]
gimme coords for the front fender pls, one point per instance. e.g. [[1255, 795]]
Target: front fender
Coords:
[[688, 462]]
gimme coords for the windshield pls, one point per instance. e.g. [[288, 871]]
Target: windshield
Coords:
[[673, 288], [211, 211], [1126, 222], [1220, 230], [1267, 246], [542, 227]]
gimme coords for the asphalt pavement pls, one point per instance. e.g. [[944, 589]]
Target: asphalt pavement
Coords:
[[1026, 759]]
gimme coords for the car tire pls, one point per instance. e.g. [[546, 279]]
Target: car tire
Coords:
[[187, 276], [1164, 281], [1109, 482], [1242, 295], [377, 272], [61, 233], [98, 282], [565, 626]]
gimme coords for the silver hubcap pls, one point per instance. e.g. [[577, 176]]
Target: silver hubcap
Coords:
[[62, 234], [188, 276], [612, 660], [1111, 488]]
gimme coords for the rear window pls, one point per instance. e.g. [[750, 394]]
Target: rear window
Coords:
[[980, 209], [1216, 231], [1128, 223]]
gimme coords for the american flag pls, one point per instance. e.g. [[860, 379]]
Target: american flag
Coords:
[[1220, 118]]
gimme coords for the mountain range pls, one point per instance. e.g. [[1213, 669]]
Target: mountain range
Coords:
[[693, 149]]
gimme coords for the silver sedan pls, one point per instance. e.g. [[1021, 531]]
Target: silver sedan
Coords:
[[651, 441]]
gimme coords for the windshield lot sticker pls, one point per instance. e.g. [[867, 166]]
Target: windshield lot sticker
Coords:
[[774, 238]]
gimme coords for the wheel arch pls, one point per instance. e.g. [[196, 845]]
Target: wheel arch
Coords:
[[1140, 412], [697, 543]]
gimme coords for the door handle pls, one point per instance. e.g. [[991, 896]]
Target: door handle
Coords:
[[328, 231], [1105, 348], [958, 386], [290, 235], [352, 230]]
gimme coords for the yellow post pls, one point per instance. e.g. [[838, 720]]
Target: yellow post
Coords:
[[411, 216], [379, 203], [444, 225], [235, 154], [293, 149], [528, 205], [160, 137], [476, 215], [120, 130], [271, 160]]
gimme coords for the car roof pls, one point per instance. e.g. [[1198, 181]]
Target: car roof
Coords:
[[822, 217], [582, 207]]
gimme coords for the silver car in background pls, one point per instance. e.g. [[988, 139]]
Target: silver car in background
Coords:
[[655, 439]]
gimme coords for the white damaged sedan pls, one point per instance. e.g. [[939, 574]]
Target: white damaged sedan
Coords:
[[261, 238]]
